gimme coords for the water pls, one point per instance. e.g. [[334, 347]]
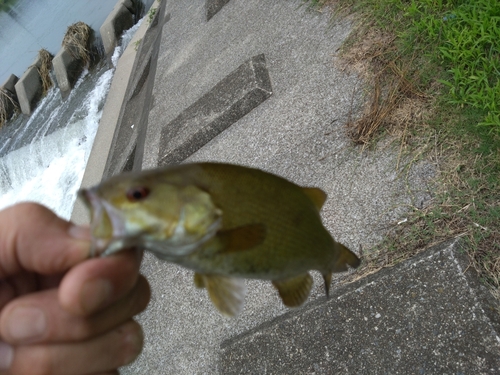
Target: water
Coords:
[[34, 24], [43, 158]]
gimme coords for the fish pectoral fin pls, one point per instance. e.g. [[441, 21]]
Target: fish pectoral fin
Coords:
[[294, 291], [241, 238], [226, 293], [346, 257], [317, 195]]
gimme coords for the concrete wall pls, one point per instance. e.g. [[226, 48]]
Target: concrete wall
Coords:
[[119, 20], [67, 70], [29, 88]]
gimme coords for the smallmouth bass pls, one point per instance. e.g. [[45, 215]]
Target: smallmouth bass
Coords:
[[225, 222]]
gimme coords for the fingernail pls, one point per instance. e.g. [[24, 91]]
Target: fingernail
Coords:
[[79, 232], [134, 342], [26, 323], [6, 355], [96, 294]]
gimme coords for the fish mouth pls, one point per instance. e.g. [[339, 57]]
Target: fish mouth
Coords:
[[107, 225]]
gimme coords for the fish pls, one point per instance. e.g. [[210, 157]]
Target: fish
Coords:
[[225, 222]]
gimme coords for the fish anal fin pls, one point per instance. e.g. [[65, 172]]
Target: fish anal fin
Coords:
[[241, 238], [317, 196], [294, 291], [346, 257], [226, 293], [199, 281], [328, 280]]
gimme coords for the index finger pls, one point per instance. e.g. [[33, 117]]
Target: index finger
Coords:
[[97, 283], [33, 238]]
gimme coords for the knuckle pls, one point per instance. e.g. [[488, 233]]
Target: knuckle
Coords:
[[33, 361]]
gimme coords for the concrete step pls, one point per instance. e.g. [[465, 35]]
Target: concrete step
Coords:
[[428, 315]]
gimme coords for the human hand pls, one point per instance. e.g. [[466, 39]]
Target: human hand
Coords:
[[61, 313]]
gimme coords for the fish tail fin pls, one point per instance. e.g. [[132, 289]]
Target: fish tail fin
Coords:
[[345, 257], [328, 280], [295, 290], [226, 293]]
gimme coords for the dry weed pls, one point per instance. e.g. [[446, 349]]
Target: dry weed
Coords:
[[6, 101], [395, 100], [44, 70], [77, 41]]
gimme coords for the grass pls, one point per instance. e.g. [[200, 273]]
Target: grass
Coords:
[[137, 44], [434, 71], [151, 15]]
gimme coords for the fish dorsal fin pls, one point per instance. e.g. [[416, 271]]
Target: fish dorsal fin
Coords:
[[346, 257], [294, 291], [318, 196], [241, 238], [226, 293]]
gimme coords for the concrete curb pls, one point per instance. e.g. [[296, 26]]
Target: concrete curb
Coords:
[[232, 98], [213, 6]]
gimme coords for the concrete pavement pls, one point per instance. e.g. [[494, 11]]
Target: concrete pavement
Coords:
[[182, 88]]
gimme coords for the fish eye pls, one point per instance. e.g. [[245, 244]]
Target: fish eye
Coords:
[[137, 193]]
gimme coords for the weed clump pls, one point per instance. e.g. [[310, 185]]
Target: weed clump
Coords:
[[77, 41], [7, 106], [44, 67]]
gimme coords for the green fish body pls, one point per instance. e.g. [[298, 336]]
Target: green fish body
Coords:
[[225, 222]]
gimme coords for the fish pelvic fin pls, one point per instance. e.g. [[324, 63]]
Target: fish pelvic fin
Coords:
[[317, 196], [241, 238], [345, 257], [294, 291], [226, 293]]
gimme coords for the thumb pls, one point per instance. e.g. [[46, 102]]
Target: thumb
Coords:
[[33, 238]]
